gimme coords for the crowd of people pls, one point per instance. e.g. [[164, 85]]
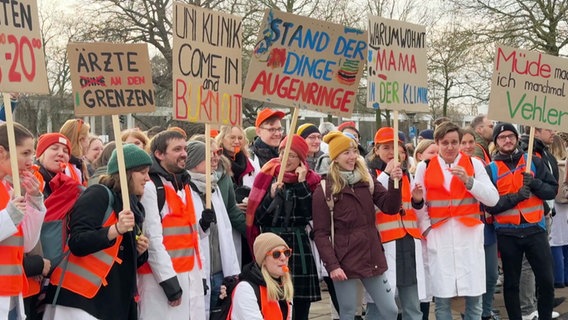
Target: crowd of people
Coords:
[[388, 230]]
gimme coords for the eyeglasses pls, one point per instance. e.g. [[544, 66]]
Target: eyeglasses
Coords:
[[273, 130], [511, 137], [313, 137], [291, 156], [277, 253]]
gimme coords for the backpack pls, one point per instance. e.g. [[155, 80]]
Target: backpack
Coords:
[[54, 233], [223, 308]]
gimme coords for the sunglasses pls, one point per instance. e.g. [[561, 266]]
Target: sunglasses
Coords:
[[277, 253]]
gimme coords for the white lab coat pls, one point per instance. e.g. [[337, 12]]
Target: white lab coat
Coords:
[[31, 227], [456, 258], [390, 254], [153, 302], [229, 259]]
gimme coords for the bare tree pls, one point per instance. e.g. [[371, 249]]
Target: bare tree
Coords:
[[532, 24]]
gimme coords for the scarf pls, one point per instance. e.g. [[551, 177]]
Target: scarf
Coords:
[[199, 181], [240, 165], [352, 177], [262, 184], [263, 152]]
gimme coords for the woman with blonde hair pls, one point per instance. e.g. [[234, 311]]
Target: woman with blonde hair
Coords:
[[426, 149], [559, 228], [265, 289], [77, 131], [344, 227], [235, 147], [136, 137]]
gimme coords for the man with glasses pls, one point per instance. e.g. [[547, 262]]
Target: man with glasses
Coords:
[[483, 130], [453, 186], [519, 221], [269, 131]]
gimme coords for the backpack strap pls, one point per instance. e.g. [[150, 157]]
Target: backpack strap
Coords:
[[329, 200], [160, 192]]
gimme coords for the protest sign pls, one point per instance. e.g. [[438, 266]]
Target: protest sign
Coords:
[[207, 66], [111, 78], [306, 63], [397, 71], [529, 88], [22, 63]]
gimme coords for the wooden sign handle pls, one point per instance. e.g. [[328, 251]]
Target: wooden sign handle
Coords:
[[291, 131], [121, 166], [12, 146], [530, 150], [207, 166], [395, 134]]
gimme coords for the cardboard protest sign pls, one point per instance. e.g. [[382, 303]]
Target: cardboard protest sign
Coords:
[[22, 63], [111, 78], [397, 71], [306, 63], [207, 66], [529, 88]]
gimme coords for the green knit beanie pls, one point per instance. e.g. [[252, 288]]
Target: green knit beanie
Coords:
[[133, 157]]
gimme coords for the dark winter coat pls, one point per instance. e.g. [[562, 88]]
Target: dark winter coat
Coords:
[[358, 249], [87, 236]]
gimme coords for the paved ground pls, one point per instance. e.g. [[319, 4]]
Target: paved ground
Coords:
[[321, 309]]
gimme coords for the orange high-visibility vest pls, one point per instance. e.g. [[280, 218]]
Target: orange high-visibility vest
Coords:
[[396, 226], [180, 233], [12, 277], [486, 158], [510, 181], [271, 308], [454, 203], [85, 275], [34, 287]]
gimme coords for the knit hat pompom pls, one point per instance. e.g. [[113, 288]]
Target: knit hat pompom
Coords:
[[195, 154], [133, 157], [338, 143], [299, 146], [264, 243], [46, 140]]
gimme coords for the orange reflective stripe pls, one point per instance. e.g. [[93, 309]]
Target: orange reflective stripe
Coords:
[[455, 203], [12, 277], [180, 234], [85, 275], [396, 226], [510, 181]]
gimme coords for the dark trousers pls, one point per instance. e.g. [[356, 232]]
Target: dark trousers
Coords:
[[537, 250], [301, 310]]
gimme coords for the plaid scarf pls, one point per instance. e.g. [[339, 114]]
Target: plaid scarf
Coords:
[[262, 184]]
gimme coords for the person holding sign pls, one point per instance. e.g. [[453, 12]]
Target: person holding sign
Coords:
[[344, 227], [97, 279], [20, 220], [519, 219], [285, 208], [454, 185], [400, 234], [171, 283]]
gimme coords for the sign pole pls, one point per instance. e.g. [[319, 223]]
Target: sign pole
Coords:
[[12, 146], [530, 150], [395, 134], [291, 131], [207, 166], [121, 166]]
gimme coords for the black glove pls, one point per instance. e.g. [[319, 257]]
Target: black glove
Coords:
[[524, 192], [207, 217], [527, 179], [171, 288], [205, 286]]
